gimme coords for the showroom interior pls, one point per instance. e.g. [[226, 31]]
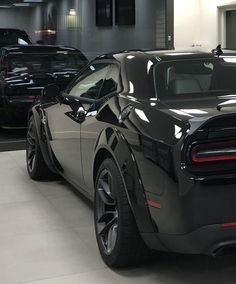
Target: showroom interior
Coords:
[[47, 233]]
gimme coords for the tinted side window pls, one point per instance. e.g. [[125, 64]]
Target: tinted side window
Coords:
[[90, 83], [111, 82]]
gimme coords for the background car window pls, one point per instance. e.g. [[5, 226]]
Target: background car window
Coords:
[[38, 63], [8, 37], [90, 84], [111, 82]]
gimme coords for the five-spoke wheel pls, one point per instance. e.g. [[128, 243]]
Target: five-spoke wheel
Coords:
[[107, 213], [117, 234]]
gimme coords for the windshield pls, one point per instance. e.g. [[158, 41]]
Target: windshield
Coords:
[[199, 78], [8, 37], [40, 63]]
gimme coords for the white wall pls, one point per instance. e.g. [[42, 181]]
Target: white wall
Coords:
[[186, 26], [199, 24]]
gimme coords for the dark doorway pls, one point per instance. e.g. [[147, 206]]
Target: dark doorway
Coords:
[[165, 24], [231, 29]]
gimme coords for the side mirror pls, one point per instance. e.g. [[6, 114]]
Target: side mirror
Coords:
[[51, 91]]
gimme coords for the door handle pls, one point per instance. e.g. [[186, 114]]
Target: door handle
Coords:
[[125, 113]]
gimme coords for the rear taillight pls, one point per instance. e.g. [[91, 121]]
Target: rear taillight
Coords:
[[212, 152]]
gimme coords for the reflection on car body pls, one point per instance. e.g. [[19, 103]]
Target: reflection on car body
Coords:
[[142, 135], [13, 36]]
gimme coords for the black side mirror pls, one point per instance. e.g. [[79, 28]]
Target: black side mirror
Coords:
[[51, 91]]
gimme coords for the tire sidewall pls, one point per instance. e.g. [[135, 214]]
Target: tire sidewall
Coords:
[[32, 172], [110, 165]]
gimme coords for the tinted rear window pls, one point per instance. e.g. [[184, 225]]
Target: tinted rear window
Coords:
[[195, 78], [38, 63], [8, 37]]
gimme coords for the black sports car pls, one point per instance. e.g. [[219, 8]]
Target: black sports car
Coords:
[[150, 137], [26, 70], [13, 36]]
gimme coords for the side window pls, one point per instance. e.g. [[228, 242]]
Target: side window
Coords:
[[111, 82], [90, 84]]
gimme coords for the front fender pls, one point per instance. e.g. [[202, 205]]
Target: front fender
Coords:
[[42, 135]]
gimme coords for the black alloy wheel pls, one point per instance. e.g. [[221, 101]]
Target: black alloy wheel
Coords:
[[31, 146], [118, 237], [107, 213]]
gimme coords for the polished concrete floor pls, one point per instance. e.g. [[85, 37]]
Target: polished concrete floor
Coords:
[[47, 237]]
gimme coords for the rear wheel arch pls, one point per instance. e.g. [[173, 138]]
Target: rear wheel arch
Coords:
[[101, 156], [112, 144]]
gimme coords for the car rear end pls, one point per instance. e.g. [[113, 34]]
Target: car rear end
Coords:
[[13, 36], [197, 210], [28, 71]]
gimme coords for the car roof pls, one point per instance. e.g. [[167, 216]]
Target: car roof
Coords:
[[11, 30], [36, 48], [163, 55]]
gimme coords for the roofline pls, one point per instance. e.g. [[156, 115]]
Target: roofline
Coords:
[[35, 46], [166, 55]]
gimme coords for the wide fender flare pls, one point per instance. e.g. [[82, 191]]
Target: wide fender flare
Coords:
[[44, 145], [114, 142]]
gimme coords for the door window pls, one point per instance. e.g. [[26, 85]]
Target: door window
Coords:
[[90, 84], [111, 82]]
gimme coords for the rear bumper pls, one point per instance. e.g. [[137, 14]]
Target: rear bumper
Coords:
[[210, 240], [190, 215], [14, 112]]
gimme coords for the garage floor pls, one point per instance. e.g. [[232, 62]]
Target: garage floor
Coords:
[[47, 237]]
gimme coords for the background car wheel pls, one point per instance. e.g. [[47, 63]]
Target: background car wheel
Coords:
[[118, 238], [36, 166]]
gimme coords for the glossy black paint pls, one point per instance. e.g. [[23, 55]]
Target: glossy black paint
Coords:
[[149, 141], [13, 36], [19, 91]]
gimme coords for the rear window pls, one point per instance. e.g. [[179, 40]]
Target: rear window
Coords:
[[8, 37], [38, 63], [195, 78]]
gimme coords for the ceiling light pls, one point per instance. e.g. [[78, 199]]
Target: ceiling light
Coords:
[[72, 12]]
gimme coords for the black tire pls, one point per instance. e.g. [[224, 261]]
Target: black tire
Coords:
[[36, 166], [114, 219]]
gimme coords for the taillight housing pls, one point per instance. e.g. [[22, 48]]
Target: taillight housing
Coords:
[[213, 152]]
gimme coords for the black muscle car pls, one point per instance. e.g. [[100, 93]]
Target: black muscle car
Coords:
[[13, 36], [150, 137], [26, 70]]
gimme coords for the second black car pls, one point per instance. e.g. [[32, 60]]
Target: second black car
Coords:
[[26, 70]]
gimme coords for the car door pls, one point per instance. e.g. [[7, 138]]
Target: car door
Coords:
[[64, 125], [98, 117]]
